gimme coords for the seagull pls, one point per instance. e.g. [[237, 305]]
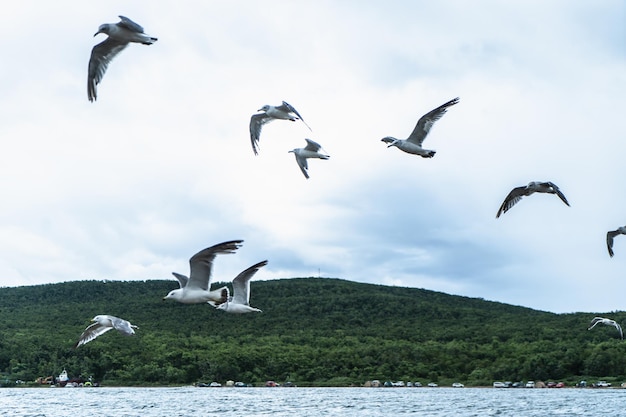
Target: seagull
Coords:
[[120, 35], [610, 235], [240, 301], [102, 324], [517, 193], [197, 287], [283, 112], [311, 150], [608, 322], [413, 144]]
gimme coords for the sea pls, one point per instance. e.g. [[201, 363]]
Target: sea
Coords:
[[295, 401]]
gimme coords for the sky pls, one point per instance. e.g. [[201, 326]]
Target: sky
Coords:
[[161, 166]]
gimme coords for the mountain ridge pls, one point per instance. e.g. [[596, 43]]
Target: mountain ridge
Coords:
[[313, 331]]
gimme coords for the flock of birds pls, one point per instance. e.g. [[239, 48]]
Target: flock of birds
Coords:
[[196, 287]]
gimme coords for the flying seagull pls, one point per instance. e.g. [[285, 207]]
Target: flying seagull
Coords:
[[120, 35], [283, 112], [517, 193], [413, 144], [610, 235], [102, 324], [240, 301], [197, 287], [311, 150], [608, 322]]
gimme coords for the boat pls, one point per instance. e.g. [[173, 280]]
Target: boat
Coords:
[[63, 376], [63, 380]]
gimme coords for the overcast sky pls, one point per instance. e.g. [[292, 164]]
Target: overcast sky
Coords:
[[161, 166]]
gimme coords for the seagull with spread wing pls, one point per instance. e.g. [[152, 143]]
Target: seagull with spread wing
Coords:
[[311, 150], [120, 35], [283, 112], [610, 235], [197, 287], [413, 144], [608, 322], [102, 324], [517, 193], [240, 301]]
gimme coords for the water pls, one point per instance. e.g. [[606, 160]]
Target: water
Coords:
[[231, 402]]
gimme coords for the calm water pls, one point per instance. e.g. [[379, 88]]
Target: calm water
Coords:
[[226, 402]]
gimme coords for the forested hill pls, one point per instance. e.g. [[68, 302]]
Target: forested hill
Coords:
[[312, 331]]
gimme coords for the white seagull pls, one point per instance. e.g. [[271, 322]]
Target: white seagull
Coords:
[[283, 112], [102, 324], [517, 193], [608, 322], [413, 144], [240, 301], [197, 287], [610, 235], [311, 150], [120, 35]]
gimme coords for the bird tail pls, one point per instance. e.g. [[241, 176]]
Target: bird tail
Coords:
[[148, 40], [219, 296]]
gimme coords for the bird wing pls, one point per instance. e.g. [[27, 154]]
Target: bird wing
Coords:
[[512, 199], [201, 263], [101, 55], [126, 23], [312, 145], [91, 332], [558, 192], [302, 163], [256, 124], [241, 284], [286, 107], [425, 123], [182, 279], [595, 321], [609, 240], [621, 334], [122, 326]]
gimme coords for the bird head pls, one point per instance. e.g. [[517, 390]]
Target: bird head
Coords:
[[174, 294], [264, 108], [104, 28]]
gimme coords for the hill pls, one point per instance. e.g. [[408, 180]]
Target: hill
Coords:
[[313, 331]]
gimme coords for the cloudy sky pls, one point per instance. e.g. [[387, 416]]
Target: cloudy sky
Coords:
[[129, 187]]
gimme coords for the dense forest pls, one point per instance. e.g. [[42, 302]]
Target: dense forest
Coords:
[[312, 331]]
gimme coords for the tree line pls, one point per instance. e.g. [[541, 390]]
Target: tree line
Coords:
[[313, 331]]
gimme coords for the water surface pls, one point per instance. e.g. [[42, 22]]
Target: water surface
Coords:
[[230, 402]]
